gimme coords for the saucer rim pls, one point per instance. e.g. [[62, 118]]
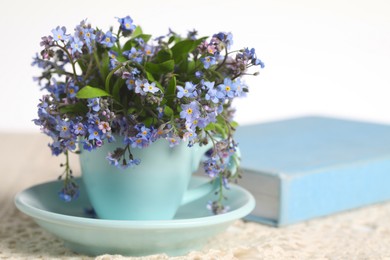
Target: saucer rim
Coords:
[[21, 203]]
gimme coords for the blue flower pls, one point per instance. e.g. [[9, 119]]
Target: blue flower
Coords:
[[64, 128], [94, 103], [227, 89], [208, 61], [108, 39], [190, 111], [148, 50], [151, 88], [59, 34], [72, 90], [198, 74], [173, 140], [126, 24], [212, 93], [140, 86], [79, 129], [94, 133], [188, 91], [69, 192], [134, 55], [76, 44]]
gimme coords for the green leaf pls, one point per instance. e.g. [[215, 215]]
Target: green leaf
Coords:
[[77, 108], [168, 111], [160, 68], [91, 92], [117, 87], [170, 92], [234, 124], [164, 55], [105, 65], [210, 127], [181, 49], [221, 130], [137, 32]]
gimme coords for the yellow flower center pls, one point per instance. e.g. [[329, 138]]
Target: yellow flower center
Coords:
[[227, 88], [127, 25], [189, 111], [64, 128], [108, 39]]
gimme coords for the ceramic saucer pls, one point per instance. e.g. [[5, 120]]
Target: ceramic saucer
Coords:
[[192, 226]]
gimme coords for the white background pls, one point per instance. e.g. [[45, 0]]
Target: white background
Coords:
[[329, 57]]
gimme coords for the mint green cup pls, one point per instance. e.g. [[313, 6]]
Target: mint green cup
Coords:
[[152, 190]]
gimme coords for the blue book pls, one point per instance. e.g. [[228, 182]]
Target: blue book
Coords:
[[309, 167]]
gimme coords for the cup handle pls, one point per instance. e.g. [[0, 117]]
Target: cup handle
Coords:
[[210, 186], [200, 191]]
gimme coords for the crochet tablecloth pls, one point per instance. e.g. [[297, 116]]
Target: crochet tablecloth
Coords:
[[25, 161]]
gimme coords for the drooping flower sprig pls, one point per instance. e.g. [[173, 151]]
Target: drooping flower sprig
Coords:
[[105, 84]]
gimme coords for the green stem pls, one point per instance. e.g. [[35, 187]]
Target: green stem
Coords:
[[71, 62]]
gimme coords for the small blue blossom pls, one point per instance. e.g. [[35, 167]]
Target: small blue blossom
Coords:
[[64, 129], [134, 55], [188, 91], [148, 50], [126, 24], [108, 39], [76, 44], [59, 34], [151, 88], [69, 192], [94, 133], [208, 61], [199, 74], [79, 129], [173, 141], [94, 103], [190, 111], [227, 89], [72, 90], [140, 86]]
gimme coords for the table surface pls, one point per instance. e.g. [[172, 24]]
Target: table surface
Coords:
[[26, 160]]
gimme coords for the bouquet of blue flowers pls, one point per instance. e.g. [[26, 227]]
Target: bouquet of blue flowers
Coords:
[[105, 84]]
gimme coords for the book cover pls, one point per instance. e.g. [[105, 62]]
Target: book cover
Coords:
[[309, 167]]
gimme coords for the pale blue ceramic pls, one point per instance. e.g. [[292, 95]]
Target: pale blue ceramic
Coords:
[[191, 228], [152, 190]]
